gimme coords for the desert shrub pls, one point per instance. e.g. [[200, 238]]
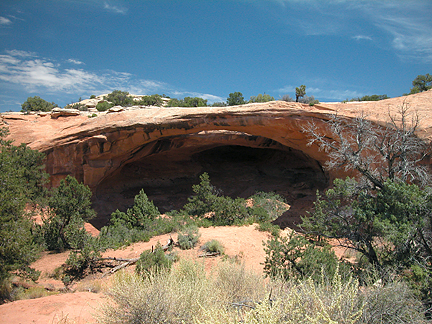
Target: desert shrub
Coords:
[[391, 303], [22, 180], [219, 104], [273, 229], [37, 104], [287, 98], [235, 98], [188, 102], [94, 286], [228, 211], [220, 210], [78, 106], [31, 293], [116, 236], [83, 258], [237, 283], [213, 246], [188, 238], [104, 106], [93, 97], [175, 296], [119, 98], [294, 256], [152, 261], [267, 206], [261, 98], [153, 100], [139, 215], [309, 100], [204, 196], [370, 98], [233, 295], [70, 206]]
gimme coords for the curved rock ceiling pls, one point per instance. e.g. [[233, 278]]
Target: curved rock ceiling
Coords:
[[257, 147]]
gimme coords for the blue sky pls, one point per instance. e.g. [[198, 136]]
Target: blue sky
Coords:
[[62, 50]]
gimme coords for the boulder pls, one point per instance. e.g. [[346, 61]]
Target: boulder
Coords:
[[59, 112]]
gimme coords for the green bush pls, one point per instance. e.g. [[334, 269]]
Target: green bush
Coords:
[[219, 104], [116, 236], [267, 206], [153, 100], [37, 104], [78, 106], [296, 257], [70, 206], [261, 98], [235, 98], [220, 210], [104, 106], [188, 238], [22, 180], [188, 102], [269, 227], [84, 257], [213, 246], [142, 212], [92, 97], [152, 261], [119, 98]]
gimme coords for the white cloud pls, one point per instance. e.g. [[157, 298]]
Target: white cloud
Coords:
[[411, 36], [21, 53], [402, 25], [362, 37], [5, 21], [36, 74], [115, 9], [75, 62], [211, 98]]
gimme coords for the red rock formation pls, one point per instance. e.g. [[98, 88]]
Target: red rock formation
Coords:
[[163, 150]]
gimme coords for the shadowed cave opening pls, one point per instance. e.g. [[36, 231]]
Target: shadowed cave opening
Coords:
[[239, 166]]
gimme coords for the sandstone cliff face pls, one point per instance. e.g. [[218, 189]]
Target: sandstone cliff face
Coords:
[[163, 150]]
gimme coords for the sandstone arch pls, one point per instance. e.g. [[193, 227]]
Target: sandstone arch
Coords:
[[104, 152]]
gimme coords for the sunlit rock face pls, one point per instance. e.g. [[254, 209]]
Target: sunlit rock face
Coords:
[[244, 149]]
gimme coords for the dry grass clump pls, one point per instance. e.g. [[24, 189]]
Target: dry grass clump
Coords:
[[232, 294], [94, 286]]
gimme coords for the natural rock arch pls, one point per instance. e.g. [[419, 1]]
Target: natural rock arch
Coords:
[[107, 151]]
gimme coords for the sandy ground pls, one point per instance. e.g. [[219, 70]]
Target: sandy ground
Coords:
[[241, 243]]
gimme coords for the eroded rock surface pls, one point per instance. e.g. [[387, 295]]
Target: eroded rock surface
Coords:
[[164, 150]]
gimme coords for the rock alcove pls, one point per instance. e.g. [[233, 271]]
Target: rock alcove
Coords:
[[239, 164]]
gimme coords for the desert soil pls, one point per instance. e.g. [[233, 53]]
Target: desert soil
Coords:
[[241, 243]]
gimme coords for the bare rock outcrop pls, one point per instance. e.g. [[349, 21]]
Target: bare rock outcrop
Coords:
[[163, 150]]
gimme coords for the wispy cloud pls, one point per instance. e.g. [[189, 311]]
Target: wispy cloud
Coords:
[[115, 9], [401, 25], [75, 62], [411, 36], [211, 98], [362, 37], [37, 74], [5, 21], [21, 53]]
